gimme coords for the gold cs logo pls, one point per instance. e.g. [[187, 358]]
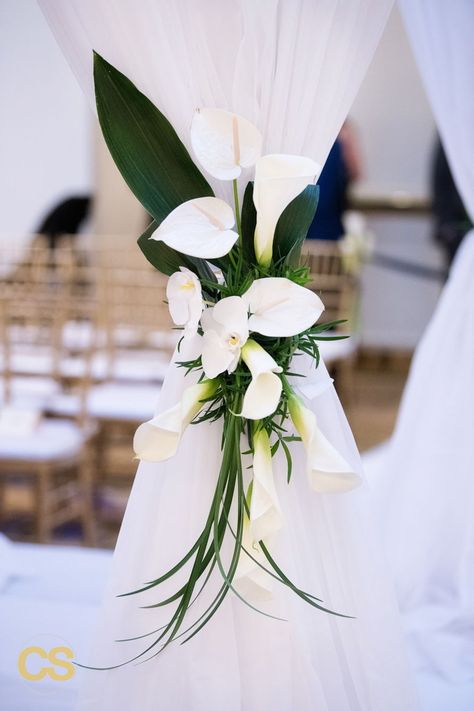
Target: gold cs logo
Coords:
[[53, 657]]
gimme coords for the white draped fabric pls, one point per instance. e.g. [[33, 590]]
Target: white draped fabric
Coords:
[[425, 490], [293, 67]]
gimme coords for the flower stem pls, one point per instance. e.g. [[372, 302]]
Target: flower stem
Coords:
[[237, 211]]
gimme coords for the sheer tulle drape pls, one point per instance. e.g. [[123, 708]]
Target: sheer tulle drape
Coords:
[[293, 67], [425, 490]]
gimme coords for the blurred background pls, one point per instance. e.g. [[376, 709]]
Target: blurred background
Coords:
[[85, 334]]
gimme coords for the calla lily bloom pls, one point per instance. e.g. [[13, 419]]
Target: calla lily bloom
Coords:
[[224, 143], [225, 328], [250, 580], [265, 513], [199, 228], [279, 307], [278, 180], [263, 394], [185, 303], [328, 471], [158, 439]]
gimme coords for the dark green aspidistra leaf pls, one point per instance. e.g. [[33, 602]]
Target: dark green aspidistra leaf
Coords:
[[249, 220], [293, 225], [144, 145]]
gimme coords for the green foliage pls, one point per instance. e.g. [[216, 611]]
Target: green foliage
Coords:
[[144, 145], [293, 225]]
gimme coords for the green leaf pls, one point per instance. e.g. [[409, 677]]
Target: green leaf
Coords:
[[168, 260], [144, 145], [249, 220], [293, 225]]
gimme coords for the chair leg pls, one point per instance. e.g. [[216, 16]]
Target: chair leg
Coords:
[[85, 474], [43, 528]]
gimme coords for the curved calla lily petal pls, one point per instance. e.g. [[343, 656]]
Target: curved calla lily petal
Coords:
[[185, 303], [224, 142], [250, 580], [278, 180], [199, 228], [328, 471], [279, 307], [225, 328], [263, 394], [158, 439], [265, 513]]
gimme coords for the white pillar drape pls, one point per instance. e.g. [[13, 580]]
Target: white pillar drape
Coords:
[[425, 490], [293, 67]]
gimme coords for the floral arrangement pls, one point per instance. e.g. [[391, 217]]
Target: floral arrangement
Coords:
[[239, 293]]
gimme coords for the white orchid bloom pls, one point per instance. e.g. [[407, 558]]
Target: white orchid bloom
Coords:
[[328, 471], [263, 394], [224, 143], [225, 328], [279, 307], [265, 513], [158, 439], [278, 180], [199, 228], [185, 303]]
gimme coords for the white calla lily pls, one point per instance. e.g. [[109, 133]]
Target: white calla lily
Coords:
[[185, 303], [263, 394], [199, 228], [279, 307], [225, 331], [265, 513], [224, 142], [278, 180], [158, 439], [328, 471], [250, 580]]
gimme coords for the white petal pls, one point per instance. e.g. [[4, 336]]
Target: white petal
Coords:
[[223, 142], [250, 580], [279, 307], [199, 228], [265, 513], [278, 180], [328, 471], [262, 396], [216, 358], [231, 312], [258, 360], [158, 439], [192, 400]]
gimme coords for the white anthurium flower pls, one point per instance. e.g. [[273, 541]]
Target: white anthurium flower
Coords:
[[263, 394], [328, 471], [185, 303], [225, 331], [199, 228], [158, 439], [224, 143], [278, 180], [265, 513], [250, 580], [278, 307]]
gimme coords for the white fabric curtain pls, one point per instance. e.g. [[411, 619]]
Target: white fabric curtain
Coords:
[[293, 67], [425, 490]]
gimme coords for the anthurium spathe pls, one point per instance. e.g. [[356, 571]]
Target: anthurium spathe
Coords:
[[185, 303], [158, 439], [328, 471], [265, 513], [199, 228], [224, 142], [278, 307], [263, 394], [278, 180], [225, 331]]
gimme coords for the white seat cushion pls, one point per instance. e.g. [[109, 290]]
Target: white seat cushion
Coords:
[[51, 440], [111, 401], [332, 351]]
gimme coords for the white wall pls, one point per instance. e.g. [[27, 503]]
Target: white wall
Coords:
[[396, 131], [45, 145]]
